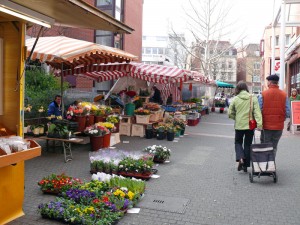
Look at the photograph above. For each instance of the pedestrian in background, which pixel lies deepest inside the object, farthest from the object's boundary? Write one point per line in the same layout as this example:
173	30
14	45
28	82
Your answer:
275	107
54	107
239	110
294	97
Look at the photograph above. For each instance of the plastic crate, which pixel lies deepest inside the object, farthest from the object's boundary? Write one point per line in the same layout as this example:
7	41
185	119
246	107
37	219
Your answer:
169	108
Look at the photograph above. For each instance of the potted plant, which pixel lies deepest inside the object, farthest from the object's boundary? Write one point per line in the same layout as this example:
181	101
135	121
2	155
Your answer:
171	129
160	154
96	133
142	115
115	119
160	131
149	132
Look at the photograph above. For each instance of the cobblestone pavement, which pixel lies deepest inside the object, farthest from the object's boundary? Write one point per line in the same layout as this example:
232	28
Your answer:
202	169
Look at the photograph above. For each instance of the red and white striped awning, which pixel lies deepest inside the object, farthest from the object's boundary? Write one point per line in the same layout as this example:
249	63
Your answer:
152	73
72	52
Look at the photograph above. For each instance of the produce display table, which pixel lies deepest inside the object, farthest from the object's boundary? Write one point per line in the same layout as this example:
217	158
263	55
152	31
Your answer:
66	144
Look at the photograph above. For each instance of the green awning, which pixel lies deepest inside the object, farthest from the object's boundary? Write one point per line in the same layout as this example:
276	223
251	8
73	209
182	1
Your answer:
224	85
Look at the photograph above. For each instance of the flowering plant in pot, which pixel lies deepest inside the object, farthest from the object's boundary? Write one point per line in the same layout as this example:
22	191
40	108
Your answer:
96	130
159	153
135	166
142	111
58	183
113	119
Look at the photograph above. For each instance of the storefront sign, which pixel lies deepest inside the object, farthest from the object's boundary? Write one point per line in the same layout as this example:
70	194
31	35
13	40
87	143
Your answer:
295	112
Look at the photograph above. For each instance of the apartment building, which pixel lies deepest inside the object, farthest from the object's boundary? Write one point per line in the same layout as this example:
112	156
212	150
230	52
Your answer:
222	63
248	67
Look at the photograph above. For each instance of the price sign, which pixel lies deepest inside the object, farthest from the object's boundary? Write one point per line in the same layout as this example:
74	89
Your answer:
295	112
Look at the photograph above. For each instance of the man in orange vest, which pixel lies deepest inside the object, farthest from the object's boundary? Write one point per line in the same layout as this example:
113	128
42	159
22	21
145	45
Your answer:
275	107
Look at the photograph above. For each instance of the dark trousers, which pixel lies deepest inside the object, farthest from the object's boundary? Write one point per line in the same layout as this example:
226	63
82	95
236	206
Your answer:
243	140
271	136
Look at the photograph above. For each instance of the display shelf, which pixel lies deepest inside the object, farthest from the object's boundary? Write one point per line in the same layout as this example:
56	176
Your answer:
34	151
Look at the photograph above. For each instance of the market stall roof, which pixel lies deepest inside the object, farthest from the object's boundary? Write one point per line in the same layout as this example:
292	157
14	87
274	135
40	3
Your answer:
72	52
72	13
152	73
224	85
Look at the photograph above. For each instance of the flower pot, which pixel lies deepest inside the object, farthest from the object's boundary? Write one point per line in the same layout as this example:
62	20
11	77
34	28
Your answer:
160	135
96	142
177	133
149	133
129	109
98	119
212	109
158	160
106	140
90	120
207	111
170	136
221	110
182	131
81	120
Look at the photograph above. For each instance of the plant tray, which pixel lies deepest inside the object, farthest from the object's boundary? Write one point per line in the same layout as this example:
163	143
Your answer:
136	175
34	151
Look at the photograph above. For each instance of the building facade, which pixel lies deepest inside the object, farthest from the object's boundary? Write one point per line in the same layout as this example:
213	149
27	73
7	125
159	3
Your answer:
248	67
220	63
128	11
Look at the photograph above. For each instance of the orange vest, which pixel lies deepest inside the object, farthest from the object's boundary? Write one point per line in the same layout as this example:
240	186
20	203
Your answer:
273	112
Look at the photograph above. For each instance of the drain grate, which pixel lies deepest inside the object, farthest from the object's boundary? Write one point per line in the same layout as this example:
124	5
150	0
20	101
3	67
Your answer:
163	203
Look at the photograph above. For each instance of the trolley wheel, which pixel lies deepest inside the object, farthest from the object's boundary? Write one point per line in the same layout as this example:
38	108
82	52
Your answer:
275	178
251	177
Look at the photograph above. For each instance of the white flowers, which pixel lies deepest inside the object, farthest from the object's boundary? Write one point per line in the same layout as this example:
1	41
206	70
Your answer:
124	189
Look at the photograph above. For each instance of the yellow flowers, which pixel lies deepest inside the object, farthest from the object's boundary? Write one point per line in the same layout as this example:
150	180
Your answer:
130	195
108	125
28	108
41	109
120	193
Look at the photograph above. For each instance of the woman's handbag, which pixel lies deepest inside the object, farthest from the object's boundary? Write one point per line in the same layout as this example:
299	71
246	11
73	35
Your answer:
252	121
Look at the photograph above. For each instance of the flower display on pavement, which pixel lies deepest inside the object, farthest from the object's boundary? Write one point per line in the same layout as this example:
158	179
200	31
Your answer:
159	152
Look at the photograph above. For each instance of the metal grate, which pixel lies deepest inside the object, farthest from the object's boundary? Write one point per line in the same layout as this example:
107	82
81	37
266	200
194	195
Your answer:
163	203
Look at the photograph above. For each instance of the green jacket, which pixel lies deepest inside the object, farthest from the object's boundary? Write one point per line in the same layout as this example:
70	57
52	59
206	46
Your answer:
239	111
296	99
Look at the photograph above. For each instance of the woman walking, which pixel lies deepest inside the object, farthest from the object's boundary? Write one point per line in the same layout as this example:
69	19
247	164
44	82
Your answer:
243	108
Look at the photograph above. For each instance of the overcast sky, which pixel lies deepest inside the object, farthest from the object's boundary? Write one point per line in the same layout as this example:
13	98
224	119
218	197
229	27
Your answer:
251	15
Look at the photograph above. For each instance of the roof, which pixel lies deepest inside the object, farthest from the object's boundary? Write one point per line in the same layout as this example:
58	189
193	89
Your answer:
224	85
75	13
73	52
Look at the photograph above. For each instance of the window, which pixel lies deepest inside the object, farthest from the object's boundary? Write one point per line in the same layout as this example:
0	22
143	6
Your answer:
104	40
154	51
104	2
277	40
287	39
144	38
256	65
148	50
160	51
160	38
143	50
223	65
230	76
229	65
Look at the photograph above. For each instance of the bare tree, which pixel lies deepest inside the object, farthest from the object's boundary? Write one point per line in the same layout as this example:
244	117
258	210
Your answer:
176	50
208	23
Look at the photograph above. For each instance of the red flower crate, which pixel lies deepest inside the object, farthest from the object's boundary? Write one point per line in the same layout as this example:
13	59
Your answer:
193	122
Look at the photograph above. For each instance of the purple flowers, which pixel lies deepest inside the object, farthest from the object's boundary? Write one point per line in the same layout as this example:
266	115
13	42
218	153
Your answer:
79	195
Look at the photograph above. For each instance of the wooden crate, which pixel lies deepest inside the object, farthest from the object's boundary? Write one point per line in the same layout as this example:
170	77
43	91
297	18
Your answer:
142	119
126	120
34	151
154	116
125	129
138	130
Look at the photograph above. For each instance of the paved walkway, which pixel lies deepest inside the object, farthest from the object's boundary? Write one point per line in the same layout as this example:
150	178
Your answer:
202	169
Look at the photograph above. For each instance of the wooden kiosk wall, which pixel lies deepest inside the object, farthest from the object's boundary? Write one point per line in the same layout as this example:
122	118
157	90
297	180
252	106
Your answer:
12	177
